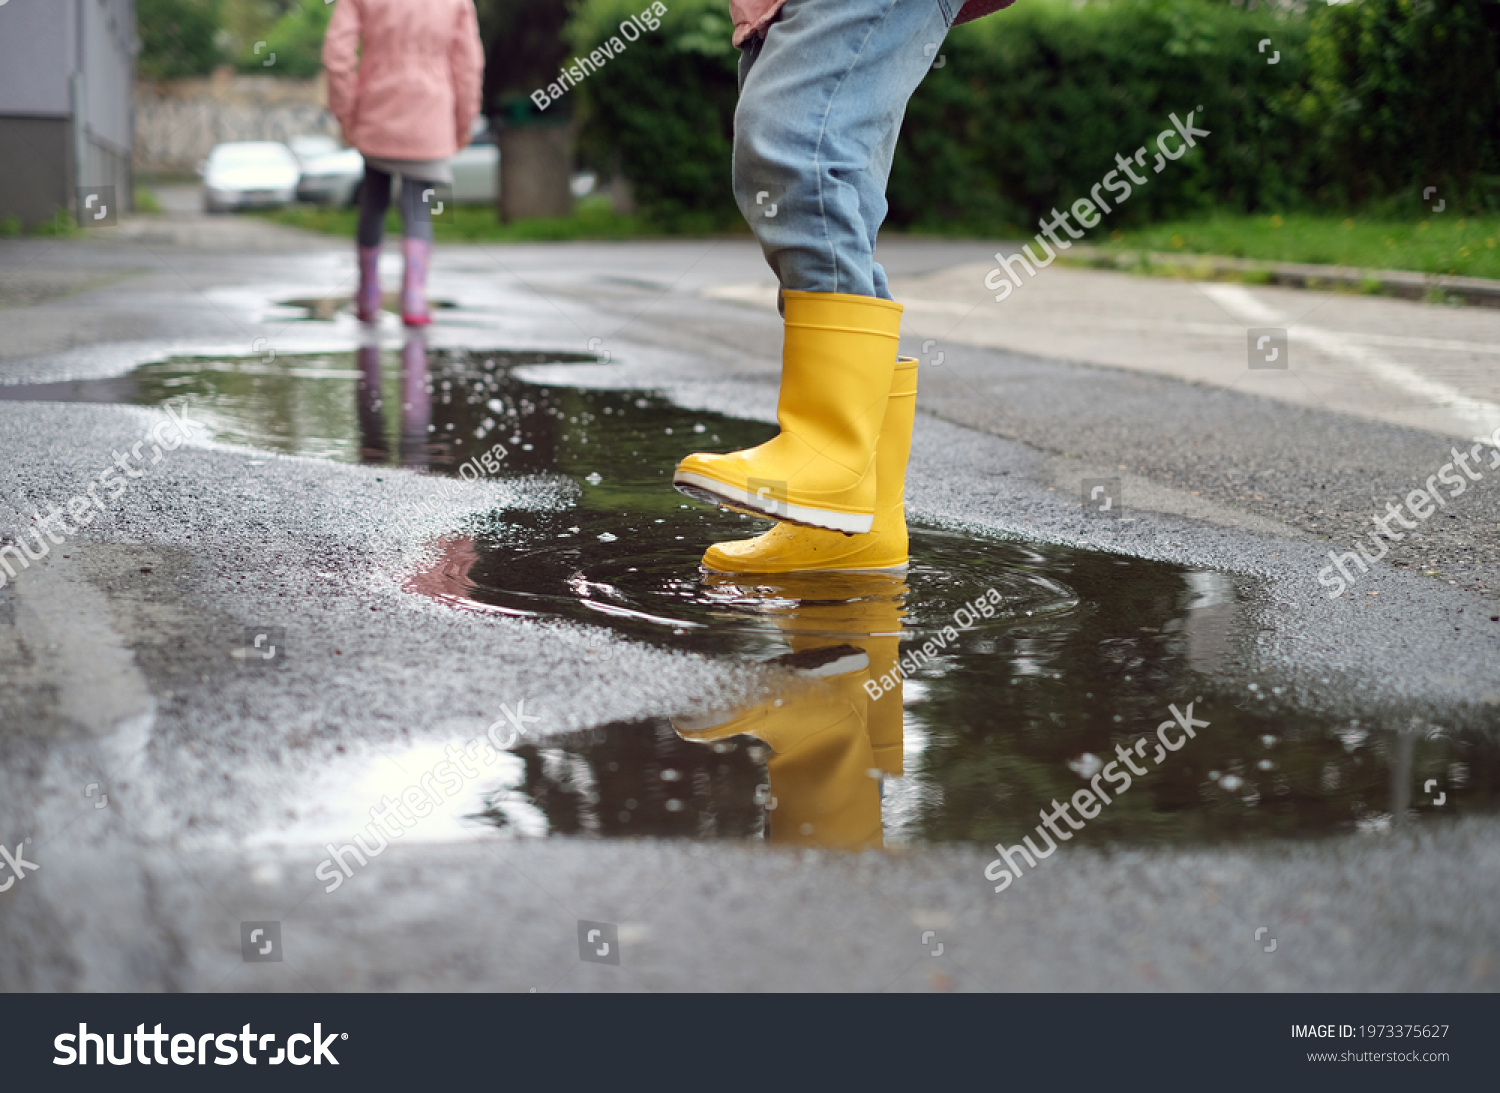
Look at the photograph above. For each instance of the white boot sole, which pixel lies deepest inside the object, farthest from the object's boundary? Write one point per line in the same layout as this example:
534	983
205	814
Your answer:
701	488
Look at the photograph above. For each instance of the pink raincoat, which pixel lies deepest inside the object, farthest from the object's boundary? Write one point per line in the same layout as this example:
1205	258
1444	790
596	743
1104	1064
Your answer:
753	16
404	76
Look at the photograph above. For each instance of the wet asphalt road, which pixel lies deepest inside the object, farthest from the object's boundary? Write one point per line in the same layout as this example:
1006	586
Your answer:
224	782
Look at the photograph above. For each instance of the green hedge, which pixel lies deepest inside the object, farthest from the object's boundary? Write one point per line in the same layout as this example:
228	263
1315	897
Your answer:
663	110
178	38
1032	106
296	38
1404	96
1366	103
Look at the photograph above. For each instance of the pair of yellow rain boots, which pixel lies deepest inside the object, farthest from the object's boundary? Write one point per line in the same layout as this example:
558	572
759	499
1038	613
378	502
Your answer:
835	476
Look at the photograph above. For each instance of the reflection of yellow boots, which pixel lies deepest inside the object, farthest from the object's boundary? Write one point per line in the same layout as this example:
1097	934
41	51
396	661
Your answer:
822	696
830	741
823	789
788	548
885	717
837	358
865	610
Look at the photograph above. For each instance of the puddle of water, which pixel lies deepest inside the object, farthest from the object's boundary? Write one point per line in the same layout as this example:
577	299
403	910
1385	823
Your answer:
373	405
903	721
324	308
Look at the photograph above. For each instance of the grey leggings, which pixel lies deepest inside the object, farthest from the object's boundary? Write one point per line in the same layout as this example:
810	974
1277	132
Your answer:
375	199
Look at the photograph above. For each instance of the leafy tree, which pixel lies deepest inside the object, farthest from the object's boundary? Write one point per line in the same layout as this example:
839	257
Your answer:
297	40
663	111
179	38
246	22
524	47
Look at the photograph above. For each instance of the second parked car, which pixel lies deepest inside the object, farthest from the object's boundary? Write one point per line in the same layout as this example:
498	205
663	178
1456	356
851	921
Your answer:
334	178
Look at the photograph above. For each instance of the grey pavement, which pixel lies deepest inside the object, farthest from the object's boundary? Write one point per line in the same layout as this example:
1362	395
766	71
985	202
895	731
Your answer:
225	783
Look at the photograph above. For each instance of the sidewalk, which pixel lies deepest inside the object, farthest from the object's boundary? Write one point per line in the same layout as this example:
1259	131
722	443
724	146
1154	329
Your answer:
1406	284
1405	363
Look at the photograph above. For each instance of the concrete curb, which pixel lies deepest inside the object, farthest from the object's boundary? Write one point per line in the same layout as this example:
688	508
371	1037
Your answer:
1476	291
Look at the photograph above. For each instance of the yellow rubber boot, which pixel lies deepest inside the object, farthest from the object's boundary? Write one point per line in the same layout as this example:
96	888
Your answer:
787	548
824	791
824	787
838	356
827	695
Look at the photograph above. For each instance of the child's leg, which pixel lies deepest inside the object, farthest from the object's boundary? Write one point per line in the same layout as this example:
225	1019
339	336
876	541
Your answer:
821	103
416	214
416	246
374	200
874	211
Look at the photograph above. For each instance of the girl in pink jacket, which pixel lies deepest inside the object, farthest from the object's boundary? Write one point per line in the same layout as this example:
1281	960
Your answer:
404	79
823	89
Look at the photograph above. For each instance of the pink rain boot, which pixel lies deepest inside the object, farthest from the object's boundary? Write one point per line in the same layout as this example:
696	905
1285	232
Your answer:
414	282
367	301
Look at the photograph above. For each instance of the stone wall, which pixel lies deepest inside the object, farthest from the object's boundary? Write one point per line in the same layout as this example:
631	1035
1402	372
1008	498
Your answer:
178	121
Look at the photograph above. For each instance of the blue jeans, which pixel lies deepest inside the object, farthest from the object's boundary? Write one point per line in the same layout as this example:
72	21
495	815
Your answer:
821	102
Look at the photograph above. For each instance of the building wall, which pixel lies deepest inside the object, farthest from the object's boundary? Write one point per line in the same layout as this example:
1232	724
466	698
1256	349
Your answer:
48	143
177	122
107	44
36	168
38	46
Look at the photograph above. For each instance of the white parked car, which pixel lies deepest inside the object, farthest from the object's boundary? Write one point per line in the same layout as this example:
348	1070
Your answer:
259	174
334	178
476	169
311	146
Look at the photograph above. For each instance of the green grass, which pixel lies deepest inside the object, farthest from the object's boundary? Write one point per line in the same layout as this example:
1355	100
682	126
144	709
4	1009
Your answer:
1442	243
151	179
145	201
61	226
592	219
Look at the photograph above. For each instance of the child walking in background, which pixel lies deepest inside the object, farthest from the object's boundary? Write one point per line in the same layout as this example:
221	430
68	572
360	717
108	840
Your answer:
404	81
823	89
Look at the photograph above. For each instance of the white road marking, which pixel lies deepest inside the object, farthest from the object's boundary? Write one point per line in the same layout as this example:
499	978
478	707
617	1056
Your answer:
1479	417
